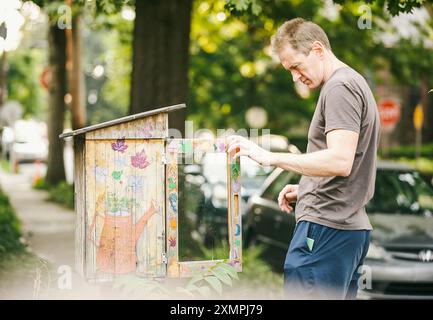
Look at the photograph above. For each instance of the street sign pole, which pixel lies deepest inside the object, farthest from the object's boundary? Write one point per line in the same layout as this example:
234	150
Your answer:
418	119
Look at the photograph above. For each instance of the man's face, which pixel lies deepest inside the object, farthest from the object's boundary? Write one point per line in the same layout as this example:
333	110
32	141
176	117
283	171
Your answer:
305	68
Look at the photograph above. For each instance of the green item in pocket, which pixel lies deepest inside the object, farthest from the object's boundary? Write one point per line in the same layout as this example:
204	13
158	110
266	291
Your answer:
310	243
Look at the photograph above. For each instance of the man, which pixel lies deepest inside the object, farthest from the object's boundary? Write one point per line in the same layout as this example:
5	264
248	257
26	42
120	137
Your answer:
338	171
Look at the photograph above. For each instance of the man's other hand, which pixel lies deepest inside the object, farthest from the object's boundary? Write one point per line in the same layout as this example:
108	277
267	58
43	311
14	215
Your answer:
288	195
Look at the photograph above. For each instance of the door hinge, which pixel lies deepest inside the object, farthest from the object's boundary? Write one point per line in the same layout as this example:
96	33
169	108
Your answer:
164	258
163	158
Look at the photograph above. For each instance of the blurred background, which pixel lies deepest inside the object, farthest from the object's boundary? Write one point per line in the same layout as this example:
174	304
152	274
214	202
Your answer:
68	64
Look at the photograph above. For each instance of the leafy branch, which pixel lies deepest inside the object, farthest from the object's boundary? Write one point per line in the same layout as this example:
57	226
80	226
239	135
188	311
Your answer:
212	277
201	284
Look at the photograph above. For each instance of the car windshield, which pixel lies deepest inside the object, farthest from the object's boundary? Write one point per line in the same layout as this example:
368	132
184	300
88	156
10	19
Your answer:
404	192
396	191
285	177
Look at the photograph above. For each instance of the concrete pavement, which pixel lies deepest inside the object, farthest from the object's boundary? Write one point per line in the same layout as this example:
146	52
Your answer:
49	230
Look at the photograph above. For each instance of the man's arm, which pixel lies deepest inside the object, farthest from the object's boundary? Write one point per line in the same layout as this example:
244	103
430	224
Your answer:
336	160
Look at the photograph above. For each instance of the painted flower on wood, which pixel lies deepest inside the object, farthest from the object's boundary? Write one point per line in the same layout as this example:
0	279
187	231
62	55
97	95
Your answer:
172	198
236	186
136	183
172	241
140	160
121	162
119	145
101	174
238	230
235	260
173	223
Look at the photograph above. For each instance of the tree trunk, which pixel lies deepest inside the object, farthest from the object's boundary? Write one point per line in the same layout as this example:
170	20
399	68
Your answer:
57	91
3	78
75	74
405	131
160	57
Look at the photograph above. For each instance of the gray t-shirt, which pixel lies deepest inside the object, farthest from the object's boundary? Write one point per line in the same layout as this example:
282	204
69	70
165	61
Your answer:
345	102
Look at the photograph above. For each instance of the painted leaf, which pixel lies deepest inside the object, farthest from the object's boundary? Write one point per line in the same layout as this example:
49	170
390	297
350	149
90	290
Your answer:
140	160
119	145
172	183
117	175
235	168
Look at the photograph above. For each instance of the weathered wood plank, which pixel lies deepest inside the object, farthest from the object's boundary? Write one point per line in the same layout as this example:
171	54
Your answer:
91	172
80	205
151	127
103	258
150	214
115	122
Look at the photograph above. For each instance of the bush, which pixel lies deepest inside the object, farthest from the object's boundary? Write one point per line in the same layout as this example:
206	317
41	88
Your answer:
408	151
10	230
62	193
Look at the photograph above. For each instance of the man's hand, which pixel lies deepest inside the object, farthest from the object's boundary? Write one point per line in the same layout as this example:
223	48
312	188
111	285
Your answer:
288	195
244	147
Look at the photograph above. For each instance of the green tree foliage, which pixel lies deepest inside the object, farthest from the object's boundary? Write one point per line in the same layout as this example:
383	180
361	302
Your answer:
25	68
111	48
394	7
231	70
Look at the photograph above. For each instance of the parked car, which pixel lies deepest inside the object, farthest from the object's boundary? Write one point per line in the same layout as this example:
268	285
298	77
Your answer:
30	142
400	256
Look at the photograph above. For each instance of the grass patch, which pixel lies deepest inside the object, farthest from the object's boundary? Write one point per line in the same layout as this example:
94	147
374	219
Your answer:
62	193
6	165
11	241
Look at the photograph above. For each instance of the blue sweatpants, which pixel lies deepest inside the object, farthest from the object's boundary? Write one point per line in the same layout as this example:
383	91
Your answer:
323	262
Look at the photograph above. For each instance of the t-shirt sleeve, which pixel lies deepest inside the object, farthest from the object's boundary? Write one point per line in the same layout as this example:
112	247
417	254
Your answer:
342	110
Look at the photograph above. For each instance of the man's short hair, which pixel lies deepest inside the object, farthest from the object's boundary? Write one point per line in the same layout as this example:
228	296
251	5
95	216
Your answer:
300	34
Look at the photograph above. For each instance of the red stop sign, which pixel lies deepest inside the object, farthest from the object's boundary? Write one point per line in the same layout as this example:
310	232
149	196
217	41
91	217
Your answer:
389	112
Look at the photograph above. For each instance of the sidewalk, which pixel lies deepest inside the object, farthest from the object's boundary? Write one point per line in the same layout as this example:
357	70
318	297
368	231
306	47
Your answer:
49	229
